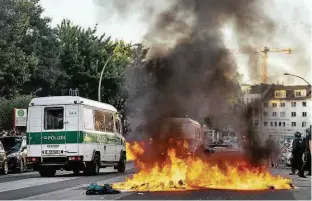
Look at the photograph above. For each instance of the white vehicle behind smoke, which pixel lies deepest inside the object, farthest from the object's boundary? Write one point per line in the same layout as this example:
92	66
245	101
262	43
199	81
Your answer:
183	129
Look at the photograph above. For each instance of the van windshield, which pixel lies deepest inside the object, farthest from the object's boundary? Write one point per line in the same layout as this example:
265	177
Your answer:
53	118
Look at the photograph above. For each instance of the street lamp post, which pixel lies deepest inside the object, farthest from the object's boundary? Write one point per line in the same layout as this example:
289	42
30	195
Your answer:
298	77
102	72
310	144
303	80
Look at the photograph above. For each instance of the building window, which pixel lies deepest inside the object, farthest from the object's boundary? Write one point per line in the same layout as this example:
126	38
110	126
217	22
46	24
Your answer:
304	124
265	114
282	104
304	114
265	104
293	124
304	104
275	124
280	94
256	111
271	123
279	124
256	123
284	124
265	124
274	104
298	93
282	114
274	114
293	114
293	104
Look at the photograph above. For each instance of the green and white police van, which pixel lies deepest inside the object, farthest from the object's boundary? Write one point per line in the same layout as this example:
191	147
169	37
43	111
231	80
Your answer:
74	134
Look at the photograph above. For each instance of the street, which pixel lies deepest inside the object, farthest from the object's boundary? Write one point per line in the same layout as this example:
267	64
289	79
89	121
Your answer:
66	186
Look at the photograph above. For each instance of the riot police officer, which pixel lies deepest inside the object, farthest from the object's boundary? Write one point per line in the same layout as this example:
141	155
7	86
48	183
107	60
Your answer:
307	163
297	153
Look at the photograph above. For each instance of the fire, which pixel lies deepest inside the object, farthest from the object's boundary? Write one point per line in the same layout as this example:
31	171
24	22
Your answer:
133	151
178	173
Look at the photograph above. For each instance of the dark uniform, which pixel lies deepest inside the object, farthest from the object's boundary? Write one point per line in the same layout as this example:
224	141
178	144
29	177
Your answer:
297	153
307	164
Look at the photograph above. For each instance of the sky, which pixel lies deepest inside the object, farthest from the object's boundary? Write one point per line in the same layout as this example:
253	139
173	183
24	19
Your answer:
293	17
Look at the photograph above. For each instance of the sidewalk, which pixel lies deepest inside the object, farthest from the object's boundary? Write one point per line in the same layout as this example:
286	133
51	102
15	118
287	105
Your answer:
302	189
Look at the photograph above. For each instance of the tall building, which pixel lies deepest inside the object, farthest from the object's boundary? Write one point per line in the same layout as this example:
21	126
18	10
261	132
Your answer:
279	110
287	109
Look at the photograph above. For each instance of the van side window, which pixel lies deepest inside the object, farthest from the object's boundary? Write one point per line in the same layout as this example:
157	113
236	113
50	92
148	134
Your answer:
88	119
53	118
99	124
118	128
109	122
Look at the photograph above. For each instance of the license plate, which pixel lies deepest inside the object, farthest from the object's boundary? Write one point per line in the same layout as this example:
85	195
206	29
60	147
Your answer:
52	152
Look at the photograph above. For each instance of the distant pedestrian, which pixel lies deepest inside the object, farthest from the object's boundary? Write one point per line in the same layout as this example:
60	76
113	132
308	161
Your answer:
307	163
274	152
297	153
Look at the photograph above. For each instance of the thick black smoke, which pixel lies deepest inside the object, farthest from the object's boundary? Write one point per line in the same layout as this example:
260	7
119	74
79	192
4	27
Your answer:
189	72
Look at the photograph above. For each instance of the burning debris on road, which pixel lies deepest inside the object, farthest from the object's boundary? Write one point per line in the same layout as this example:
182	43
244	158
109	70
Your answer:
180	171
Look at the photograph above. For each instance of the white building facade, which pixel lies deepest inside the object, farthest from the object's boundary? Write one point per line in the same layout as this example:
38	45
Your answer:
287	109
279	110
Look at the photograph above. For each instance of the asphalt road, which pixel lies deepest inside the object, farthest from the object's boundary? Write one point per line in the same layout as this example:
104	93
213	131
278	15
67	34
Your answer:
66	186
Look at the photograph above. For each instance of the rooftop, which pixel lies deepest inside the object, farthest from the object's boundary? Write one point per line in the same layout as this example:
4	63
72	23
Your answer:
267	91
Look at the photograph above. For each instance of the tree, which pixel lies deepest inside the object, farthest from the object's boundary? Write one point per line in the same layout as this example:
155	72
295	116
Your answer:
16	66
7	108
82	57
28	48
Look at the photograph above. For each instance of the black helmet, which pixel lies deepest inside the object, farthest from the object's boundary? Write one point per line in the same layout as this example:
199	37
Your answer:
297	134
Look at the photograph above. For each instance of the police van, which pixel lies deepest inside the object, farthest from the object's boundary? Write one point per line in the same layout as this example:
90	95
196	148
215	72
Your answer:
74	134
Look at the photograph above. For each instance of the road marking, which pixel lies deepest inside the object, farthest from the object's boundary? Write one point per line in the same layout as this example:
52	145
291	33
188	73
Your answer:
24	183
77	192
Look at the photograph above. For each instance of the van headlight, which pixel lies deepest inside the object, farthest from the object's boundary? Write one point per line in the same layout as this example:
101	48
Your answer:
12	155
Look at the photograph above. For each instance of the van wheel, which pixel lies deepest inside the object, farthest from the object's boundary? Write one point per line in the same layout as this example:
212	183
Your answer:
5	168
93	168
121	167
47	172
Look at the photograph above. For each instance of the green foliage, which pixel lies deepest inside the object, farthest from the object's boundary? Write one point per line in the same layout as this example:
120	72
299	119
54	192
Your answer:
39	60
7	110
82	58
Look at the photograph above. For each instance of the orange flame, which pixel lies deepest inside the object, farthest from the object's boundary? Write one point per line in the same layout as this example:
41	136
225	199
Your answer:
133	151
177	173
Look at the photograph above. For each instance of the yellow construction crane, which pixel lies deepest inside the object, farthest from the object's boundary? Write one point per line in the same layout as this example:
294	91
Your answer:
265	61
264	70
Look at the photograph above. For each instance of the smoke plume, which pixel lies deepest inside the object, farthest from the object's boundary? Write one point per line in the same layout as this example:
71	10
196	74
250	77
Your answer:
188	70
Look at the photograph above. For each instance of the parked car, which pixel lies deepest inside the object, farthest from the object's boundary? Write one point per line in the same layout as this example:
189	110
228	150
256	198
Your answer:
3	161
15	148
